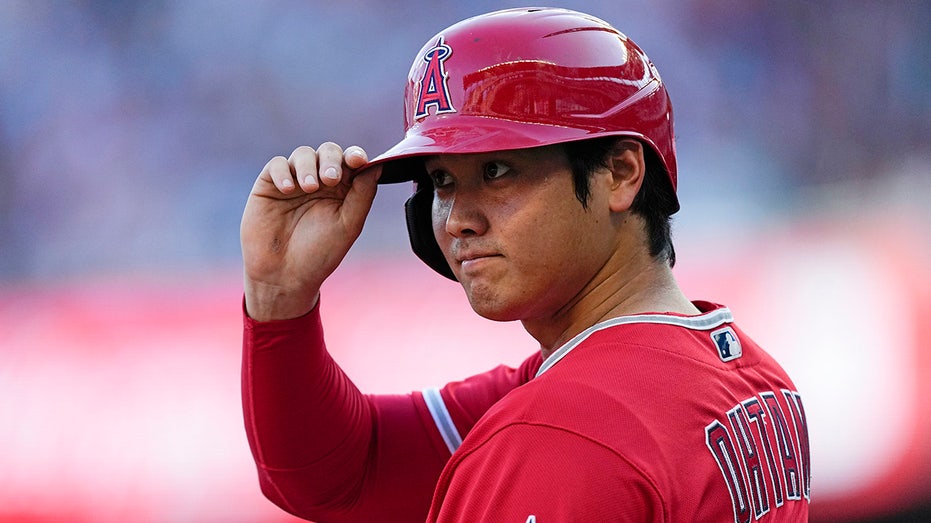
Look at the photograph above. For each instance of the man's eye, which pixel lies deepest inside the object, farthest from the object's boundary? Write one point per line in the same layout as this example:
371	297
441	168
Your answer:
440	178
494	170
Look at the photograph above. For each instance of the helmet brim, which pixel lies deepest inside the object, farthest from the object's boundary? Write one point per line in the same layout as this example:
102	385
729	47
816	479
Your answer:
474	134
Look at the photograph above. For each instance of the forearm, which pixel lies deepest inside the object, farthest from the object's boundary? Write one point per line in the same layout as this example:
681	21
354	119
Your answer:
309	428
322	449
327	452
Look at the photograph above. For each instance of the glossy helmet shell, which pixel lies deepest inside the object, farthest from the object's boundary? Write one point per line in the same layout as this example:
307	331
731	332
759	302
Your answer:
522	78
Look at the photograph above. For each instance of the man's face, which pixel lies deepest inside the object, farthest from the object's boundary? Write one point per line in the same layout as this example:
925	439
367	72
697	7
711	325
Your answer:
513	232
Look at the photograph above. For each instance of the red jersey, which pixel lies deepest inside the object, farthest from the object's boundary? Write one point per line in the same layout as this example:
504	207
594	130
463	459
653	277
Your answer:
652	417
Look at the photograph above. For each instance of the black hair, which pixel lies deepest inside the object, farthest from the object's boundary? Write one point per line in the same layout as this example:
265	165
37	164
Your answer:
655	202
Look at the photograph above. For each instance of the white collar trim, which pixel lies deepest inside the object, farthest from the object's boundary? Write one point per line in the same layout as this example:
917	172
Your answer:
706	321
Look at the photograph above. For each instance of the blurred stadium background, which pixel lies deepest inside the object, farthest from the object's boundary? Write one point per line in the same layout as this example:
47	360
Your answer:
131	132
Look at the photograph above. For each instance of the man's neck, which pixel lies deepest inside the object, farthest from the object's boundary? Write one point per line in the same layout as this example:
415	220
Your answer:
652	288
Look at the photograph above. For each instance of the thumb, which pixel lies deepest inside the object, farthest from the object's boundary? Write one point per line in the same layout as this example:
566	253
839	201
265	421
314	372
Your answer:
359	199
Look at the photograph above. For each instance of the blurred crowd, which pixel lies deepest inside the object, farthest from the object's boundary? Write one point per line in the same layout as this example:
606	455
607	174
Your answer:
131	132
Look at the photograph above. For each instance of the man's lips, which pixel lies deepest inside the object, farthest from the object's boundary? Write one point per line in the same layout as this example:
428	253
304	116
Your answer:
473	256
469	258
475	266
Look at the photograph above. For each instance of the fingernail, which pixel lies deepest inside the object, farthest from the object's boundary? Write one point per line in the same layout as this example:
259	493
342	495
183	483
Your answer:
331	173
287	183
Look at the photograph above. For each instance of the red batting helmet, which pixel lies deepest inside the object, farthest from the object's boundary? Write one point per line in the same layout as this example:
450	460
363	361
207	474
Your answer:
523	78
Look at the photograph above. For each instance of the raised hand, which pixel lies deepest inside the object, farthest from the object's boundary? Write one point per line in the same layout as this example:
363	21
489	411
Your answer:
301	218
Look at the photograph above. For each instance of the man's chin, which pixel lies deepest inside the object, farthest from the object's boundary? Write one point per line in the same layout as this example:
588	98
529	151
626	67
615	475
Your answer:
496	315
490	305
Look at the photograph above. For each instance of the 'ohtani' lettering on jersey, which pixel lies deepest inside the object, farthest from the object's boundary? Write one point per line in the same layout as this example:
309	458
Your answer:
763	452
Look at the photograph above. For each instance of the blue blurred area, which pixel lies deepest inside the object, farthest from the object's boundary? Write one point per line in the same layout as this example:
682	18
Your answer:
130	132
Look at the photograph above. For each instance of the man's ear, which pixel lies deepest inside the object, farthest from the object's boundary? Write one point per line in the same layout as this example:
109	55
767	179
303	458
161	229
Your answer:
628	168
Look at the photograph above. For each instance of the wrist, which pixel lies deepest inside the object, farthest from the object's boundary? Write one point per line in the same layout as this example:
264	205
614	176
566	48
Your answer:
269	303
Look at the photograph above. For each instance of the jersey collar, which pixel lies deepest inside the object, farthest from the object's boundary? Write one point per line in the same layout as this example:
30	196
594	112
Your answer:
706	321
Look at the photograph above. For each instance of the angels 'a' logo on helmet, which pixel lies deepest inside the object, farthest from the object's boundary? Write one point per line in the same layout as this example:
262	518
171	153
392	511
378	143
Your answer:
433	89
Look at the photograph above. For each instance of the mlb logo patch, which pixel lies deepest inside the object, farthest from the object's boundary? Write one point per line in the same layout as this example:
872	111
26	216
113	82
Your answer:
727	343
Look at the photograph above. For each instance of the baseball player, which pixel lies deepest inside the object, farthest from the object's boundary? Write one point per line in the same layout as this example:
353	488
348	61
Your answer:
540	145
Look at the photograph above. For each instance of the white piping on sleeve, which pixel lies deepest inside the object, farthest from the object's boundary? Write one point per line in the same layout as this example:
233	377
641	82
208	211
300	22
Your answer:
442	419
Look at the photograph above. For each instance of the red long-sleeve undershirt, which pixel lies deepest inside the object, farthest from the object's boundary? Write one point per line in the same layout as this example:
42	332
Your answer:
327	452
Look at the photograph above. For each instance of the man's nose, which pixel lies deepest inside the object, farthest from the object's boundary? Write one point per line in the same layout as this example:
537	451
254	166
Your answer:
464	215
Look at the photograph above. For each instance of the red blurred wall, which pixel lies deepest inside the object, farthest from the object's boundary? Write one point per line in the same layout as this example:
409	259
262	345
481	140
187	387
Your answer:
120	396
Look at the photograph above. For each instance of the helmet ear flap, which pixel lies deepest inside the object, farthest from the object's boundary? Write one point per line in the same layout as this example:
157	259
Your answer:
418	210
